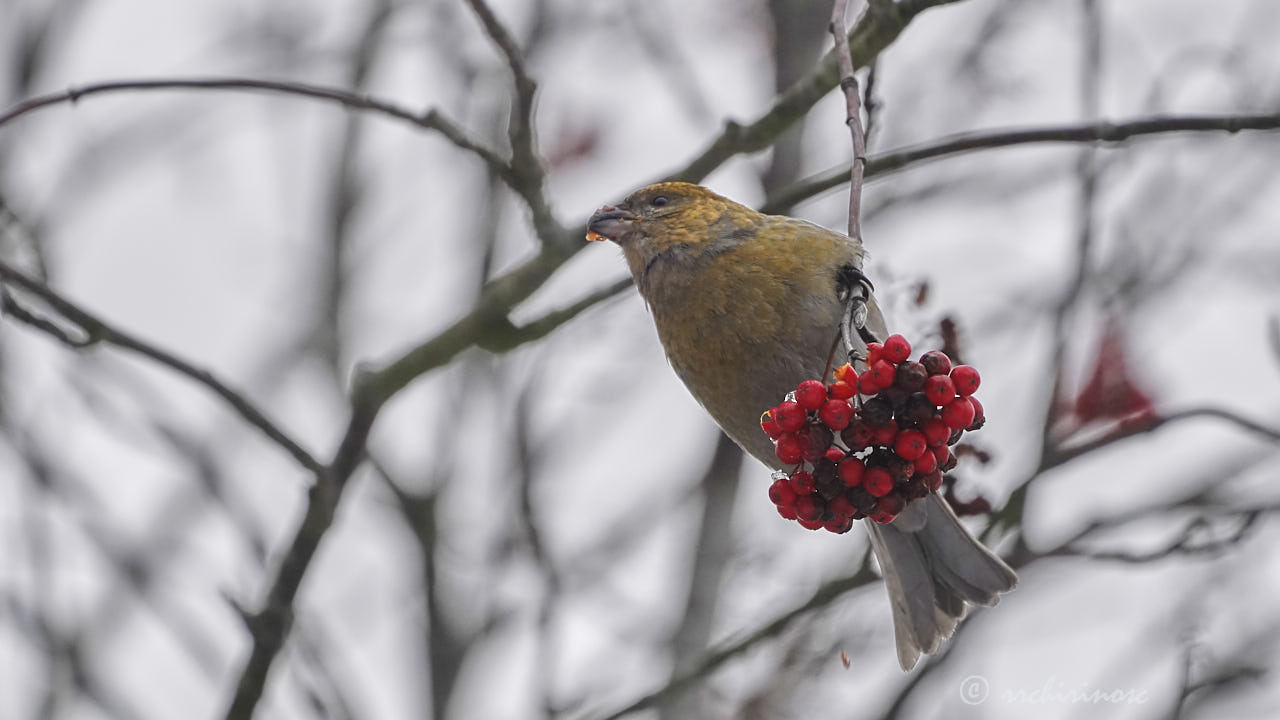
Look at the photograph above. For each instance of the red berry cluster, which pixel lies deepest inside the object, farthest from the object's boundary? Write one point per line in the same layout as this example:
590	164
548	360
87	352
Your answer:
865	446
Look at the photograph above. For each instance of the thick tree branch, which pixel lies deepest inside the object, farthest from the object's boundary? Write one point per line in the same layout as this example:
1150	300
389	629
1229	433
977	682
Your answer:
98	331
1093	132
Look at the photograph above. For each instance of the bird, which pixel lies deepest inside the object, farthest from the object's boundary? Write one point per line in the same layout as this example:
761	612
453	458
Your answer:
748	305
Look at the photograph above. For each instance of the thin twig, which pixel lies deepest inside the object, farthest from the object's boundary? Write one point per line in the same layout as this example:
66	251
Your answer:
430	119
853	115
1091	132
877	30
98	331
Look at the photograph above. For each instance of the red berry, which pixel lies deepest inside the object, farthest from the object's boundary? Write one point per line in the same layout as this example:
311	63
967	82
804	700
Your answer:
936	432
926	463
940	390
788	449
884	372
858	434
780	492
885	434
966	380
896	349
874	351
836	413
769	425
814	441
842	390
948	464
789	416
946	460
841	508
881	518
979	417
846	374
811	524
868	385
958	414
809	507
787	511
802	482
835	454
933	480
850	471
936	362
910	444
839	527
877	481
810	394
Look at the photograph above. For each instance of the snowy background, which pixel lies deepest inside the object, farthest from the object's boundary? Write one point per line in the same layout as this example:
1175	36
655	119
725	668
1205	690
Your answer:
554	529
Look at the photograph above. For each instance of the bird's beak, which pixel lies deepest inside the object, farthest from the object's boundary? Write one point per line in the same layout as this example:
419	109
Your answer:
609	223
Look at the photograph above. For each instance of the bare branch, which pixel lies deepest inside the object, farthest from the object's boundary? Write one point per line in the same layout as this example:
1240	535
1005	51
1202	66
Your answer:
878	29
823	596
431	119
98	331
1093	132
1137	426
528	178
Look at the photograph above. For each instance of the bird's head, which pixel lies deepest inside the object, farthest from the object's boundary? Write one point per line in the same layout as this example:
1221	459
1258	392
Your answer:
665	216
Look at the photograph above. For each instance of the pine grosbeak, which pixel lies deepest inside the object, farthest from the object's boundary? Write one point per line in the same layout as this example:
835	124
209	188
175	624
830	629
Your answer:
748	305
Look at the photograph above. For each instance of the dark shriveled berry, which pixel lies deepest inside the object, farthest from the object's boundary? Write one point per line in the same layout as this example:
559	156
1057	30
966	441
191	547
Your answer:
915	488
863	500
858	434
814	441
918	410
892	503
910	376
839	527
877	411
936	362
825	481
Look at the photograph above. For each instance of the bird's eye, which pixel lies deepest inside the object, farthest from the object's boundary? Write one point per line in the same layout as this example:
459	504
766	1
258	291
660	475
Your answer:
659	201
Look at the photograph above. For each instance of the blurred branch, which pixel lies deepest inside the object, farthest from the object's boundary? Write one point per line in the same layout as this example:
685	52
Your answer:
505	337
712	552
1062	454
879	28
527	178
1184	544
430	119
824	596
97	331
1093	132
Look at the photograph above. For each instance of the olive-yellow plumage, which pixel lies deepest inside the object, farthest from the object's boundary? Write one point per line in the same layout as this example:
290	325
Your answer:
747	306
